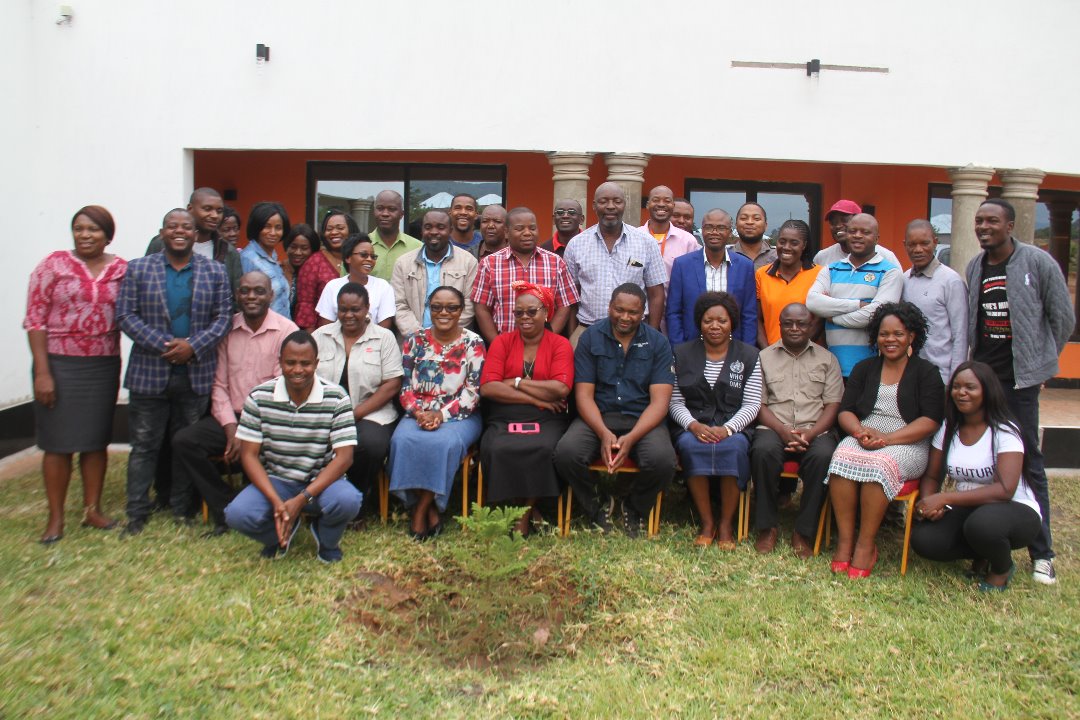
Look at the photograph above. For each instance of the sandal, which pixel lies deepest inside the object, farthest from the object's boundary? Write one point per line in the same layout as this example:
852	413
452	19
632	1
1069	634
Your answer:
987	587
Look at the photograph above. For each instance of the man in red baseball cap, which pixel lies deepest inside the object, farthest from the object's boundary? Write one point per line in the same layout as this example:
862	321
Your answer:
838	216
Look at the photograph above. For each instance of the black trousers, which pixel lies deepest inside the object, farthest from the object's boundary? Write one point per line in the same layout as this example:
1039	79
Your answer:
192	448
989	532
369	456
1024	404
767	456
654	455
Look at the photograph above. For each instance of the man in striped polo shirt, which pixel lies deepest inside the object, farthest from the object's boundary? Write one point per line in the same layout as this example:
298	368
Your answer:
297	435
848	292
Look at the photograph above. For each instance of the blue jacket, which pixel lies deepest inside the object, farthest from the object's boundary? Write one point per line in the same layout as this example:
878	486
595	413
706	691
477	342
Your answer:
143	315
688	283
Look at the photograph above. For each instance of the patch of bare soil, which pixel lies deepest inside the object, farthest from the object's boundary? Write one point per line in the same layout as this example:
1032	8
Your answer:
505	623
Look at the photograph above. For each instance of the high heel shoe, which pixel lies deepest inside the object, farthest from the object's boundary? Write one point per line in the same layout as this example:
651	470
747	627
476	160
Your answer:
839	566
859	573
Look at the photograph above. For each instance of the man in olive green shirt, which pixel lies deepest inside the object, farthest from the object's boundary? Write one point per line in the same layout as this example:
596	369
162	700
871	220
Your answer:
799	405
390	243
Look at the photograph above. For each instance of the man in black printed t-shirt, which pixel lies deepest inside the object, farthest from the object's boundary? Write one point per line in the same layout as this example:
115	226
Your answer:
1019	318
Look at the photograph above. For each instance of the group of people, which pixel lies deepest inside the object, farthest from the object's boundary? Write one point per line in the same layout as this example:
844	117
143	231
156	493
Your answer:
644	348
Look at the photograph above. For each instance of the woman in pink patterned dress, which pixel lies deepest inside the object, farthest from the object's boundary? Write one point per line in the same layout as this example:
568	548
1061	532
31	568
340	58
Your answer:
75	342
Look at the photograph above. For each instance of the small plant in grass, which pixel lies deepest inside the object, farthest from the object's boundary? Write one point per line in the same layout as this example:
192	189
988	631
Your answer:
492	549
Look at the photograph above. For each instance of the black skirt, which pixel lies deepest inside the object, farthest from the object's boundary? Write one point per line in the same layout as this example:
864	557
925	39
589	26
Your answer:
518	465
82	418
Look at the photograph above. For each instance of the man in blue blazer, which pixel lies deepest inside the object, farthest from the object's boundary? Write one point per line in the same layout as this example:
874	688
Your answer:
713	267
175	307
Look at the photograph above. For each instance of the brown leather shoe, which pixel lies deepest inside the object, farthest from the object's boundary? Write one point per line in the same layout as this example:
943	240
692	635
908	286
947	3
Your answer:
802	547
766	541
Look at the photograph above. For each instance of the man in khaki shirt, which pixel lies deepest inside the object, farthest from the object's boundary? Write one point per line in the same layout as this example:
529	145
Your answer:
803	387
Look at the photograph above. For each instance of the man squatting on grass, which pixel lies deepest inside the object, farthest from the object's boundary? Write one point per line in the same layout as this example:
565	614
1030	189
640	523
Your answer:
304	431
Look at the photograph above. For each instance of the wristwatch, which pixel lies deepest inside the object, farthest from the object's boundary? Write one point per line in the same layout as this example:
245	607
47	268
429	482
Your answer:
309	496
517	381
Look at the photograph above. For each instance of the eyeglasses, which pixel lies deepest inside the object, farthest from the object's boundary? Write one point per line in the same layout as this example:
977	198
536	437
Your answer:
259	291
366	255
530	312
439	309
795	324
716	228
565	213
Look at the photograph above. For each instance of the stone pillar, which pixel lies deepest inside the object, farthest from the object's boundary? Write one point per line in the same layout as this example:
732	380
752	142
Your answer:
628	170
570	180
1021	189
968	191
1061	213
360	209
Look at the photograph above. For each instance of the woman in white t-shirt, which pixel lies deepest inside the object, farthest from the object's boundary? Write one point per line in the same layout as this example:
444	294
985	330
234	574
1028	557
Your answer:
359	257
991	510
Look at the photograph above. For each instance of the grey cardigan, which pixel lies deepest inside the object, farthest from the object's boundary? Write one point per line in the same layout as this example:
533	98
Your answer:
1040	310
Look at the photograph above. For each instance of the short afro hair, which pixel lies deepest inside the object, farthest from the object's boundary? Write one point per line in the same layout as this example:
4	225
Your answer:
709	300
909	316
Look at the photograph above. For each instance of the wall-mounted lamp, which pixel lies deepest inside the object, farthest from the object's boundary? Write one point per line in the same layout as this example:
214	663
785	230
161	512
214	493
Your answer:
262	53
813	67
65	15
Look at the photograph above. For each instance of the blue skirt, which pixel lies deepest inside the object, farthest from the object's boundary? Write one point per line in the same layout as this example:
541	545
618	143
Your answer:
428	459
728	458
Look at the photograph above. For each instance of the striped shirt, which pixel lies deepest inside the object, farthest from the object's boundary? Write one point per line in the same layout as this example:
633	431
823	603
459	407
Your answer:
837	295
298	441
748	411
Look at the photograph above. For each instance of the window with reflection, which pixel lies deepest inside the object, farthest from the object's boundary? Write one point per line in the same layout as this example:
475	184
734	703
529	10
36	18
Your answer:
352	186
782	202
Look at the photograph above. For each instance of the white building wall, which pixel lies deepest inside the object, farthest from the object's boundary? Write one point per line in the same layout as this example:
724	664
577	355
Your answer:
106	109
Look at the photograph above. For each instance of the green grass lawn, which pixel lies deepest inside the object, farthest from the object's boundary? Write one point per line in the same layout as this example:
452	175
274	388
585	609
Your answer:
171	625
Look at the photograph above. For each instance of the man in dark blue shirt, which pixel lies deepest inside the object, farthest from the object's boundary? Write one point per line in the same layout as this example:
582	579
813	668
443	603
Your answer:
623	379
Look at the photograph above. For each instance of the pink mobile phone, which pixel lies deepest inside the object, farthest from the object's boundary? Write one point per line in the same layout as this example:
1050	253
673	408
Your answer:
524	428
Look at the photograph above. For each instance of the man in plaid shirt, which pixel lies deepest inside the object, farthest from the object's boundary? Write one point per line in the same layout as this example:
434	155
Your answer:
521	260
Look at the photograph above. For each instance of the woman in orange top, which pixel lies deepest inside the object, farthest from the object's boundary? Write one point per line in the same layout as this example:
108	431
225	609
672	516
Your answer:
787	280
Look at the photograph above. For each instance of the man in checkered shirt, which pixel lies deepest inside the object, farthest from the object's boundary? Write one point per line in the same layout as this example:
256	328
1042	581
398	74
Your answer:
522	260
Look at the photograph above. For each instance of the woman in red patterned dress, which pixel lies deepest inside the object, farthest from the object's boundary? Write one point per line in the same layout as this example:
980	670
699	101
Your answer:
75	342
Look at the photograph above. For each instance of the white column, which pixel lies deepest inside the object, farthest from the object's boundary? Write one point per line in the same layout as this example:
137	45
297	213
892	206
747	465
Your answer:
570	180
628	170
1021	189
969	185
360	210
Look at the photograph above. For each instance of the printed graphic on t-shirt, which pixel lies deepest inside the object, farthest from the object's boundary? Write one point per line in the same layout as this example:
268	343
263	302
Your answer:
994	300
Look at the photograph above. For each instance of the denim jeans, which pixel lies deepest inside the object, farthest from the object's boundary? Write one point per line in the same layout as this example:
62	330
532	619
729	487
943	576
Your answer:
1024	404
252	514
150	419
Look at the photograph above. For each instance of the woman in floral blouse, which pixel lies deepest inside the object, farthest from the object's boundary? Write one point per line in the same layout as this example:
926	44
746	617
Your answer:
75	342
441	398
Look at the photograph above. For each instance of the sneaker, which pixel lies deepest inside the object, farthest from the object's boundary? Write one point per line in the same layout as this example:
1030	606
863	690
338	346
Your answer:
1043	572
631	520
324	554
275	551
602	518
270	552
